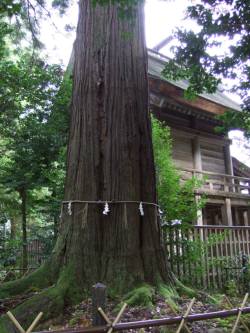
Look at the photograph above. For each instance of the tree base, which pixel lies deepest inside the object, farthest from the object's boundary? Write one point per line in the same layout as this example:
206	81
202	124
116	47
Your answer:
51	298
51	301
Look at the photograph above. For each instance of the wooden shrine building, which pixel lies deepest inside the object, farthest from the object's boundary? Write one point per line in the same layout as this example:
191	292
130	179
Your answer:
198	150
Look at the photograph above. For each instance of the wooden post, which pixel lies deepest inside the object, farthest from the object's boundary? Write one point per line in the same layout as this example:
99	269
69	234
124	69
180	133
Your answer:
229	163
199	212
245	217
99	295
198	166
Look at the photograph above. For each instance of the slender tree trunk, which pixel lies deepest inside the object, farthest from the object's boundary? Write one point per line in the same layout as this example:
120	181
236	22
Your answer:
13	227
23	196
55	225
110	154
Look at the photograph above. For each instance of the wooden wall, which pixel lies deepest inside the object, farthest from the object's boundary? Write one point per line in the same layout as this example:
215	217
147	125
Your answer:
184	129
212	157
182	152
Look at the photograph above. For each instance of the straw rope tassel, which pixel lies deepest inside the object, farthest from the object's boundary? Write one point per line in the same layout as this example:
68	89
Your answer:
239	313
185	315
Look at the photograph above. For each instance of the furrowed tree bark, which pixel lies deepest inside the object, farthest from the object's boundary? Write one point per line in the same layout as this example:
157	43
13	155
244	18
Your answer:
110	154
110	157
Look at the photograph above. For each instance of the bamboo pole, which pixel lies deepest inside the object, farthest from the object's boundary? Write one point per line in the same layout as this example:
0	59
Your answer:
241	320
35	322
19	327
155	322
15	322
117	318
185	315
239	313
105	317
175	312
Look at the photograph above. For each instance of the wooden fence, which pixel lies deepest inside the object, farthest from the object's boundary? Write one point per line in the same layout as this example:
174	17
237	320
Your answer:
36	252
208	256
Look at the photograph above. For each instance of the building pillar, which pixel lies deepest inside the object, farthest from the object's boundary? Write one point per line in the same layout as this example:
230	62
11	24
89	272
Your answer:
228	207
223	215
216	219
229	171
229	186
228	160
197	166
197	154
245	218
199	220
237	216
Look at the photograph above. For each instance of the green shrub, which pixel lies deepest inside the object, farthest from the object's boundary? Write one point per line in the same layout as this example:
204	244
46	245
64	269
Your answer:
176	198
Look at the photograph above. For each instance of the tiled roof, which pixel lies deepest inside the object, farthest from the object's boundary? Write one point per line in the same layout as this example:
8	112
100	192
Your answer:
156	63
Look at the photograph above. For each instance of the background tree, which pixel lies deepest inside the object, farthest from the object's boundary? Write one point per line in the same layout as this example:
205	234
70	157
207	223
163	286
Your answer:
219	50
31	137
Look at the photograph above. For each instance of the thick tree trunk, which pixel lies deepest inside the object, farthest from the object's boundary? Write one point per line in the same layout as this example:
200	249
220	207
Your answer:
110	154
110	157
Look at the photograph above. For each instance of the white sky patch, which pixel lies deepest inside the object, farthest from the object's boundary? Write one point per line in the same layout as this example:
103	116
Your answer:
240	147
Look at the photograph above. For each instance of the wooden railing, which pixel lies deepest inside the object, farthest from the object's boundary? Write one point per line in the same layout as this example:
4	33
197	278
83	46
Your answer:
219	183
208	256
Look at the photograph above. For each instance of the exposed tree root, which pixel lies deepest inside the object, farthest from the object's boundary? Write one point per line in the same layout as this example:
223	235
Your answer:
182	289
50	301
35	281
170	294
142	295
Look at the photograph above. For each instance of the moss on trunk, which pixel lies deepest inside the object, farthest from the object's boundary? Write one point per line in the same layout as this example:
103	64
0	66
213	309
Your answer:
110	157
50	301
35	281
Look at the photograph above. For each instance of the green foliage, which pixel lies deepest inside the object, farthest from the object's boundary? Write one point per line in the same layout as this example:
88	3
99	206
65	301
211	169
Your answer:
221	23
231	288
194	252
10	8
187	64
176	199
34	100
